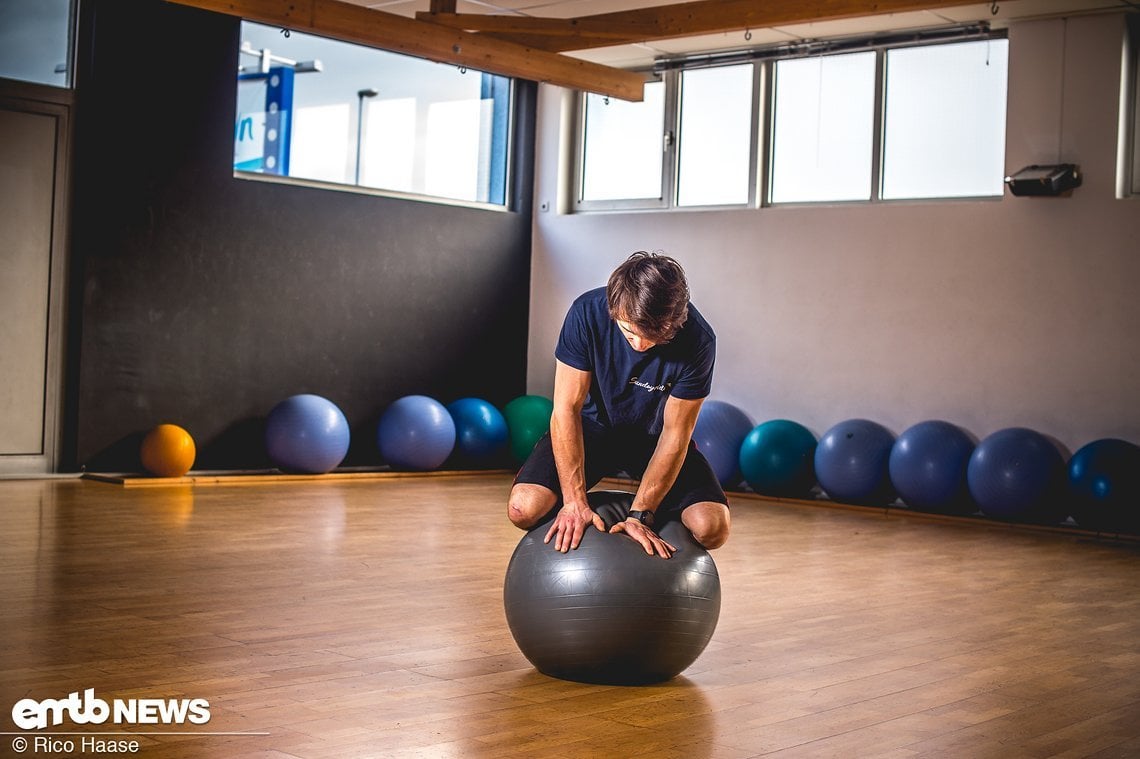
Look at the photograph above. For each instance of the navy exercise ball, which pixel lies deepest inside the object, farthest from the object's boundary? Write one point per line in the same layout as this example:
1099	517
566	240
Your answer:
851	462
778	458
1017	474
719	432
306	434
416	432
1104	479
480	429
608	612
928	467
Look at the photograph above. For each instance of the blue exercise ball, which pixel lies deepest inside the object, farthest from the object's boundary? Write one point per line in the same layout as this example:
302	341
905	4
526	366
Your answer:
778	458
851	462
928	467
306	434
480	429
1017	474
416	432
1104	479
719	432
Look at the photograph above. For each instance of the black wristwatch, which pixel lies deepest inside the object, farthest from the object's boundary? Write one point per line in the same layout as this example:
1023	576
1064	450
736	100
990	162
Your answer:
645	517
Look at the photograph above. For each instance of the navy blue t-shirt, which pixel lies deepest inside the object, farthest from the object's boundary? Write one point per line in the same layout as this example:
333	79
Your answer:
628	389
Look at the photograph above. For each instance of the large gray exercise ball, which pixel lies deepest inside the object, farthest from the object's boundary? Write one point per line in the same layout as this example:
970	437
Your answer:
607	612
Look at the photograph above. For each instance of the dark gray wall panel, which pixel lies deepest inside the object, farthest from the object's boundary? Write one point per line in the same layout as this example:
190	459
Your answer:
203	300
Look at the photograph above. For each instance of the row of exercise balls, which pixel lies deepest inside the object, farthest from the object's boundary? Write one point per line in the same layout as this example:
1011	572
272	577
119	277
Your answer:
307	433
420	433
1014	474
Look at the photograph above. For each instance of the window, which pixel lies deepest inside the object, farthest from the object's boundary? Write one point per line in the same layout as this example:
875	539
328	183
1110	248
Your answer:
715	138
944	128
35	41
321	110
824	117
624	153
1130	116
688	143
889	119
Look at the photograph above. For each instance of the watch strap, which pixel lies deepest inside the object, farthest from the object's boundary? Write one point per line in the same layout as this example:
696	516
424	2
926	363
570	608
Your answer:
641	515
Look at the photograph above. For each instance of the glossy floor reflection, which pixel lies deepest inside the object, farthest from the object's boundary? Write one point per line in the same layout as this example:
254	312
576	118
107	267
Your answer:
365	619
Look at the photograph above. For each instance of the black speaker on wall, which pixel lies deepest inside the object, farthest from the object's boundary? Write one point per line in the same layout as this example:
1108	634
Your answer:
1050	180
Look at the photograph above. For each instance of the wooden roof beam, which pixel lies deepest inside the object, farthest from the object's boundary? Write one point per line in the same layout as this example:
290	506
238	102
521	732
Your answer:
585	26
676	20
353	23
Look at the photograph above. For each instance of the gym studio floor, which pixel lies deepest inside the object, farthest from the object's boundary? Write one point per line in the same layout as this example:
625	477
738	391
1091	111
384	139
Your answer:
357	617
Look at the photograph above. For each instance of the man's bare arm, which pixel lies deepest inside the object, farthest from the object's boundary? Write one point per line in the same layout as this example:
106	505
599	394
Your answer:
661	473
571	386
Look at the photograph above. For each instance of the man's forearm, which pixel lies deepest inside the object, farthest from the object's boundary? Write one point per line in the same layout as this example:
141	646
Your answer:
569	455
661	472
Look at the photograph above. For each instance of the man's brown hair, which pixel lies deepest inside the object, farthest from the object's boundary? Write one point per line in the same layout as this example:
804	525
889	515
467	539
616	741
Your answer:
649	290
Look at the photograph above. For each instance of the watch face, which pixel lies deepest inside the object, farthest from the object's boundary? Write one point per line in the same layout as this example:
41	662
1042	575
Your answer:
645	517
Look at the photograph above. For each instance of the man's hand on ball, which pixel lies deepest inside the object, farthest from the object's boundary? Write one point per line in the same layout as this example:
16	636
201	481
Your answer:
649	540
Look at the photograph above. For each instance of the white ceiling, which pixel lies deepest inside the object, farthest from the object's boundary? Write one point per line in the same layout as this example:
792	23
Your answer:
643	54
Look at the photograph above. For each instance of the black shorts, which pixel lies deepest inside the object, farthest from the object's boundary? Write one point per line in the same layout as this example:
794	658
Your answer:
610	455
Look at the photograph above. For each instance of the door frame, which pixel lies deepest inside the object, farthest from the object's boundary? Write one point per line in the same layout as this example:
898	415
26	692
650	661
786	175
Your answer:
58	104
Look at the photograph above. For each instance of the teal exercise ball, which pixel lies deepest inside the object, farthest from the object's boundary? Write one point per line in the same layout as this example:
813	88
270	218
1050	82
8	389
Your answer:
528	419
777	458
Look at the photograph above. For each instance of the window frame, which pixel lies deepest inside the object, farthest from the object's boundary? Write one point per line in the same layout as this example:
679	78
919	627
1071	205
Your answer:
668	160
883	104
874	175
510	199
1128	172
763	122
670	163
759	81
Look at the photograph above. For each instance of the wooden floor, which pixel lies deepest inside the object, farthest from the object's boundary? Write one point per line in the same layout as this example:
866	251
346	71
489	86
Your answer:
364	618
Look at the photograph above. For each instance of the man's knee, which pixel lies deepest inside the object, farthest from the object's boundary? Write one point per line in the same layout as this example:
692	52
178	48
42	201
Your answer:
709	522
528	504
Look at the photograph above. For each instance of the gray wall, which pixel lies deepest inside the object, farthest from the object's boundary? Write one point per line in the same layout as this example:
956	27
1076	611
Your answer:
988	314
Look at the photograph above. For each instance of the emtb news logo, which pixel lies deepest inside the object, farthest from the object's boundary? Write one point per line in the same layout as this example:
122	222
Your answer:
30	714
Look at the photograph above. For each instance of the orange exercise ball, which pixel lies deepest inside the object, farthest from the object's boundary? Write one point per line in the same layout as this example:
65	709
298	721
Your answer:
167	451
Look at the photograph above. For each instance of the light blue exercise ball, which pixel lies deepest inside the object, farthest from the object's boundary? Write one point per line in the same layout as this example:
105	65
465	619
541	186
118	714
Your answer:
415	432
306	434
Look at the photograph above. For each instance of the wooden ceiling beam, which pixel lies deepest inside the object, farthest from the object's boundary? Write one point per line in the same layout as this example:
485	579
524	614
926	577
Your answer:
555	27
677	20
354	23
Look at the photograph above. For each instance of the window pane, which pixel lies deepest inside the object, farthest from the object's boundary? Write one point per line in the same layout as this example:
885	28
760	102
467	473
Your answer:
716	136
329	111
624	146
823	125
944	128
1134	52
35	41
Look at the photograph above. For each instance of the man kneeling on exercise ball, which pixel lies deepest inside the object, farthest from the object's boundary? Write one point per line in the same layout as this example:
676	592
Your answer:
634	363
